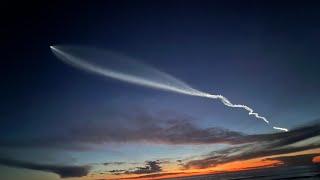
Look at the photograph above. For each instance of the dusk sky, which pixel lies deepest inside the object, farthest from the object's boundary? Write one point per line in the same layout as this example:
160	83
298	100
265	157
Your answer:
59	121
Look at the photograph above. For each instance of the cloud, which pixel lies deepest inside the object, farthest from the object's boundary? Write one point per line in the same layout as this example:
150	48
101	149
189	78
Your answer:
154	175
117	171
113	163
178	129
150	167
299	139
142	127
62	171
296	160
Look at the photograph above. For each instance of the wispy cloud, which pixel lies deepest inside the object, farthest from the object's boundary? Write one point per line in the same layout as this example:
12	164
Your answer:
144	127
139	128
113	163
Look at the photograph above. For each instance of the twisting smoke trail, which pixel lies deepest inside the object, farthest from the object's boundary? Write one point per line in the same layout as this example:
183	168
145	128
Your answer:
279	128
226	102
123	68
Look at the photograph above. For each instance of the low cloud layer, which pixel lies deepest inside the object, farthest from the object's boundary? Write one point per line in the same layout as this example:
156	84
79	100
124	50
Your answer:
150	129
299	139
150	167
296	160
139	128
152	176
62	171
178	130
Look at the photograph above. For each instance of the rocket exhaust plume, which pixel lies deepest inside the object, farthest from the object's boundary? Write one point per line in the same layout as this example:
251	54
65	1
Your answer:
108	64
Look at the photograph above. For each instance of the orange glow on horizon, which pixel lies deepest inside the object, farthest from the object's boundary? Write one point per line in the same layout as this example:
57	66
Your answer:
175	171
227	167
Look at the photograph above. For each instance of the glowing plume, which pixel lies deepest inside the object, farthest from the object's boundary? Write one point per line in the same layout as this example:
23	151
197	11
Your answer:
123	68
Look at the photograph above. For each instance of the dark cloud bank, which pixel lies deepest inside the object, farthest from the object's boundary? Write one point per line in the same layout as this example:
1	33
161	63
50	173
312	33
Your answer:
245	146
181	130
263	145
62	171
297	160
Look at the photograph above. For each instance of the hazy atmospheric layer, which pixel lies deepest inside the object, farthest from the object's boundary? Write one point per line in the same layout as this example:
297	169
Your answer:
124	68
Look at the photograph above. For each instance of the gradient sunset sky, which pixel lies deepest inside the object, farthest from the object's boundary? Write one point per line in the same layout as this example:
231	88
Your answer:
60	122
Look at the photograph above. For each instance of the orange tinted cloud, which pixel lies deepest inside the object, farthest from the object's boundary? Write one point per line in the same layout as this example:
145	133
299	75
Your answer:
246	164
316	159
227	167
174	171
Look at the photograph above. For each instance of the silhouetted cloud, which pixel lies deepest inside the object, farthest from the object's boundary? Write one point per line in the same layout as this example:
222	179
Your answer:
304	159
263	145
62	171
117	171
150	167
179	130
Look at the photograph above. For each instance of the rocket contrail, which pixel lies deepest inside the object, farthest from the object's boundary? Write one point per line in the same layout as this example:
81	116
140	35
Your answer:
123	68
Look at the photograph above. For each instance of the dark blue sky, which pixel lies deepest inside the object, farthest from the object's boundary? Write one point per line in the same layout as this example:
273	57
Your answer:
264	55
